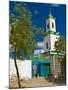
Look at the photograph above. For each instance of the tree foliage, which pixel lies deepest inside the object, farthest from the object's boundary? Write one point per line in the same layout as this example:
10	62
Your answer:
60	45
21	29
21	33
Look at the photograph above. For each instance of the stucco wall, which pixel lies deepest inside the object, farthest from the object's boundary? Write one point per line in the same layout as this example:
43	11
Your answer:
24	68
53	38
50	39
50	21
47	40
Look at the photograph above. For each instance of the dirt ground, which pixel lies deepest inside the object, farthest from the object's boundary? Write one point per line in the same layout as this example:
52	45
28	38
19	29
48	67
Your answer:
35	82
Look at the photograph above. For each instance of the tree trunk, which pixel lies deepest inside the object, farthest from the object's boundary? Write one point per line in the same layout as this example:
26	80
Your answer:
17	71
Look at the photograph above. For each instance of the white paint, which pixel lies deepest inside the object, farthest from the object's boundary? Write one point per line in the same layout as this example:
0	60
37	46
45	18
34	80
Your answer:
24	67
47	40
50	21
51	38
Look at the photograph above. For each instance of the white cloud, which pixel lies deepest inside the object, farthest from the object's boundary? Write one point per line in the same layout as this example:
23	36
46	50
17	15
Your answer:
37	52
41	50
40	44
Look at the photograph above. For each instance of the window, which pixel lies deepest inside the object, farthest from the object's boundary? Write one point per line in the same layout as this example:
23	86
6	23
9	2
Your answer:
46	45
56	37
48	25
52	25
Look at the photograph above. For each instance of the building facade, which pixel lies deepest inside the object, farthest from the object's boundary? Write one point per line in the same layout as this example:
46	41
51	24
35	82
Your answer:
49	44
51	35
47	66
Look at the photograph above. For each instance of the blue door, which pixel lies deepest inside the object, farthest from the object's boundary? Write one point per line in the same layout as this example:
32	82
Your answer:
41	68
46	70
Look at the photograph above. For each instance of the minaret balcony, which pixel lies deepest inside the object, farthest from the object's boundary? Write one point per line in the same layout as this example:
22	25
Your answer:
52	32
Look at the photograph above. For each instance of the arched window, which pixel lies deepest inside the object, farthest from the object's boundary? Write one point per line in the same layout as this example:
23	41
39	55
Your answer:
48	25
47	45
52	25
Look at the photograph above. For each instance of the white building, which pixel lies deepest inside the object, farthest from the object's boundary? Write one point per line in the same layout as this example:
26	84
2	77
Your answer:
49	44
51	34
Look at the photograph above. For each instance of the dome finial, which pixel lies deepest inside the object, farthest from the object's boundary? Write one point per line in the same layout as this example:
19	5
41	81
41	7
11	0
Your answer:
50	12
50	15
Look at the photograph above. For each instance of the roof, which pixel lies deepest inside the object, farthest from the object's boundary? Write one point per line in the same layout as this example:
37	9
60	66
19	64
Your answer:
34	61
50	15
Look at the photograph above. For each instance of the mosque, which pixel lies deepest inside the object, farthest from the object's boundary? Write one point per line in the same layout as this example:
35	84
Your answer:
50	64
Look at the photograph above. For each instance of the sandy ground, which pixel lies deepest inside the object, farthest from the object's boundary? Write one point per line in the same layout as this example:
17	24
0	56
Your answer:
36	82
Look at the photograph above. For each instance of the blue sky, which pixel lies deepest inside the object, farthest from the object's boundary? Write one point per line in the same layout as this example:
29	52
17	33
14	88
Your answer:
40	12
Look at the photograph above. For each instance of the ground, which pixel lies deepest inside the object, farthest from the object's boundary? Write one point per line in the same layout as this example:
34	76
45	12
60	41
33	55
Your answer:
35	82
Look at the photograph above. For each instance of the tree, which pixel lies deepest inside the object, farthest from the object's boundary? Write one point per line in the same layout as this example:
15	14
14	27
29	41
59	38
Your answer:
21	33
60	46
63	63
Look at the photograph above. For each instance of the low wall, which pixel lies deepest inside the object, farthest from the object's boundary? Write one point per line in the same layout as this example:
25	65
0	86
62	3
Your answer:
25	69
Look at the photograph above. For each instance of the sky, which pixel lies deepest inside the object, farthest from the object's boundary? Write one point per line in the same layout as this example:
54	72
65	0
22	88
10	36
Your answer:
40	12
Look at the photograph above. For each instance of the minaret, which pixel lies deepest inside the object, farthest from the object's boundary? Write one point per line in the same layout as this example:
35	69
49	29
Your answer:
51	34
50	23
49	44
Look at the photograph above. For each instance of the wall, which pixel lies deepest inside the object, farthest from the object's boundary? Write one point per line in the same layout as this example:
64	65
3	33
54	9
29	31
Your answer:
50	20
56	66
53	38
25	68
47	40
50	39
